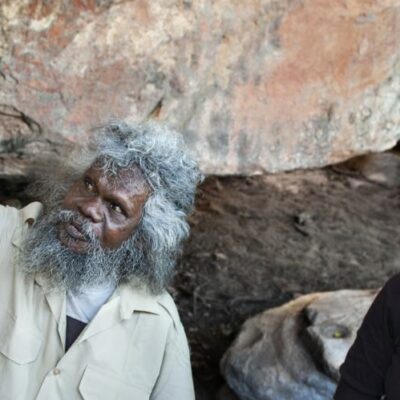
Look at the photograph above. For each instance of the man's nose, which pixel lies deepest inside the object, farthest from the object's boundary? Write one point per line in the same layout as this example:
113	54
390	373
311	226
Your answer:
91	209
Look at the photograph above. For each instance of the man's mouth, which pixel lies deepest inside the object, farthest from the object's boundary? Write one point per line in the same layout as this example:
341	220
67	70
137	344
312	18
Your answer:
74	230
72	236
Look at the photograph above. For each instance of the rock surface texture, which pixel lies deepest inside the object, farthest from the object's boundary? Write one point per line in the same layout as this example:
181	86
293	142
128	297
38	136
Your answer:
295	351
269	86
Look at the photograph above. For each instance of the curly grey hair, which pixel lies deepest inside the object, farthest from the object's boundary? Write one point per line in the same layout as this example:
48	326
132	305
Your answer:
150	254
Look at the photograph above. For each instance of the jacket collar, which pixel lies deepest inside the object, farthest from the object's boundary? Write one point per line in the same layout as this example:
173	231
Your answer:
125	300
121	306
130	298
133	299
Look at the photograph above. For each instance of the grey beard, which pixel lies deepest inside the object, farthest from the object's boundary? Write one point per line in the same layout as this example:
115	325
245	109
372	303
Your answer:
44	254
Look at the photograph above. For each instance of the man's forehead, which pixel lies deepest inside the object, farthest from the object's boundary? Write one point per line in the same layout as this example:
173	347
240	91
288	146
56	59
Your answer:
127	179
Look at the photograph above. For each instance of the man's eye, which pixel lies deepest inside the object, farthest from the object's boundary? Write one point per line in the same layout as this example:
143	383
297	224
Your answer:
88	184
116	208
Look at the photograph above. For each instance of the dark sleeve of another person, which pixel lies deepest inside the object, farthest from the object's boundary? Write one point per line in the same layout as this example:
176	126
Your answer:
364	370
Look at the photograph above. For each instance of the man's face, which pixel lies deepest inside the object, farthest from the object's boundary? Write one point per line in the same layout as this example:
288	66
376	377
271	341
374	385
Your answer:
111	205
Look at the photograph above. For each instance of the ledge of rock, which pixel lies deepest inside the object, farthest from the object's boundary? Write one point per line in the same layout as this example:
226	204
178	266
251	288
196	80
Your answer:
277	86
295	351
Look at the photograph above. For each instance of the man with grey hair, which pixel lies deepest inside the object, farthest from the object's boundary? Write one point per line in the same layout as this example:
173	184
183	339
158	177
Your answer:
83	307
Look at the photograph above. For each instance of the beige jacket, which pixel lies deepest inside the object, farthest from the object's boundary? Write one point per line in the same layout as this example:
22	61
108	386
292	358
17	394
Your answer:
135	347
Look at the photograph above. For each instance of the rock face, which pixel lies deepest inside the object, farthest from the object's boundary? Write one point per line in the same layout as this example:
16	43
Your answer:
295	351
272	86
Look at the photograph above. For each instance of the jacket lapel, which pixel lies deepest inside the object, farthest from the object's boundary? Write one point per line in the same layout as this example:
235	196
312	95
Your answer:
56	299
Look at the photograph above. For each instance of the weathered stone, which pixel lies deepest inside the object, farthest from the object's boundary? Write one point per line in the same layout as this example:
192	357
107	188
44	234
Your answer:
294	351
334	320
274	85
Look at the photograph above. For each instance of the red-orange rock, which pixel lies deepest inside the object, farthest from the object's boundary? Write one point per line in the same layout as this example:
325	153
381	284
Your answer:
260	86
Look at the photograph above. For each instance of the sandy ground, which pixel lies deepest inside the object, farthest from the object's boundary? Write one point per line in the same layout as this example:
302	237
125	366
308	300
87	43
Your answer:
258	242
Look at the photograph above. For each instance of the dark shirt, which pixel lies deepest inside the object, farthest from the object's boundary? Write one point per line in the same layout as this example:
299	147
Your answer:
371	370
74	329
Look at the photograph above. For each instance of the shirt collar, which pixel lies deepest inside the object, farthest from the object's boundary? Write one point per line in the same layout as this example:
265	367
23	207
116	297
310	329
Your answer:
133	299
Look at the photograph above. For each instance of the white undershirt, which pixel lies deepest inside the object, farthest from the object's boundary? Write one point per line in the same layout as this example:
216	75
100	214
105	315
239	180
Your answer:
84	306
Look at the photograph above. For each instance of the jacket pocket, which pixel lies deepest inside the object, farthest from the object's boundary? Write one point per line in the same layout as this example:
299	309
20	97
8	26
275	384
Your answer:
19	341
97	384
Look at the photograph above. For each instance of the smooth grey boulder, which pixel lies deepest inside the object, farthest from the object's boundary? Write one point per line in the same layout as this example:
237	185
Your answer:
294	351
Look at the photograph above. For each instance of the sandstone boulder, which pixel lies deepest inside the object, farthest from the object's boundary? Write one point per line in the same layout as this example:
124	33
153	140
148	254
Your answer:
265	86
294	351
